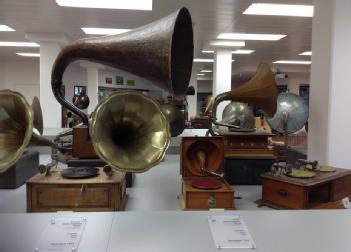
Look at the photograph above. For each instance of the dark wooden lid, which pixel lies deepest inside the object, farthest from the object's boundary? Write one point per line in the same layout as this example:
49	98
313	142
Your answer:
213	147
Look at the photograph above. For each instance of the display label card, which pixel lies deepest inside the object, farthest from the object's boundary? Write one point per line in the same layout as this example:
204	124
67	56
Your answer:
230	231
61	235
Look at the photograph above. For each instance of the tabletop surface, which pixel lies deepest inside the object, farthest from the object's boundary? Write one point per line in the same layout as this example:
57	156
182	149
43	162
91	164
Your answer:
288	231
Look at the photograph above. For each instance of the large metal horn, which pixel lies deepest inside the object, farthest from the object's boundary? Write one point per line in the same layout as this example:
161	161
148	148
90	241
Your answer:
260	90
161	51
129	131
16	128
291	115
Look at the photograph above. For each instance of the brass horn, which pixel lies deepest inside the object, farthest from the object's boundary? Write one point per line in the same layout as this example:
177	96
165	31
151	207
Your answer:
127	129
16	128
161	51
260	90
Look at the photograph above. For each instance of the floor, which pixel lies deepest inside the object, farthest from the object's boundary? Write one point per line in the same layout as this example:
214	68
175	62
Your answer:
156	189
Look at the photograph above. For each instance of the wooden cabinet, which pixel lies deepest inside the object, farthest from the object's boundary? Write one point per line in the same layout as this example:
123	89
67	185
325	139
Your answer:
53	193
321	191
192	198
82	146
247	156
197	199
284	195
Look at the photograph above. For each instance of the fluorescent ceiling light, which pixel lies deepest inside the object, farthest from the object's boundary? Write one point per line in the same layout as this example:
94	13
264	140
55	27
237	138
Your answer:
306	53
200	74
227	43
239	51
24	54
280	10
19	44
103	31
5	28
203	60
248	36
297	62
207	51
108	4
206	71
206	60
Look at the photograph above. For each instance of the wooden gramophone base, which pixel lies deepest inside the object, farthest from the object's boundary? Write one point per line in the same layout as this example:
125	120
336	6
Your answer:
54	193
202	199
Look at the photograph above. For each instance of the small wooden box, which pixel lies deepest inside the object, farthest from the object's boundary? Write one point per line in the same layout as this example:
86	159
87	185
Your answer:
82	146
321	191
54	193
199	199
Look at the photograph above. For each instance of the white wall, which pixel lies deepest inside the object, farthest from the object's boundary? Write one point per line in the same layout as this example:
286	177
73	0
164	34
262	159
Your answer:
294	80
204	86
339	87
319	117
192	99
18	76
74	75
14	73
140	83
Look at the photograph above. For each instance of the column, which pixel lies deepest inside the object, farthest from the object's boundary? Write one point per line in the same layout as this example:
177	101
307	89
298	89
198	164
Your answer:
92	83
222	76
92	87
51	108
50	46
330	91
192	99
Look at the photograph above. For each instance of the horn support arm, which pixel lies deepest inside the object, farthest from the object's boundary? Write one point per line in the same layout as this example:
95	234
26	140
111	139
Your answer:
56	86
213	119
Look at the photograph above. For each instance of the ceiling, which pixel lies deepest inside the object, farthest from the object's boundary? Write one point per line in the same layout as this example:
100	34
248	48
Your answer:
210	18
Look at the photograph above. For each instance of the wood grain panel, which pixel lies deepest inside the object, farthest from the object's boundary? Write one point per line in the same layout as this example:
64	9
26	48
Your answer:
284	195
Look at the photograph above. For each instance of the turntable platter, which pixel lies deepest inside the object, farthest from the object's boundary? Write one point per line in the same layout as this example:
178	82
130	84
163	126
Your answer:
206	184
80	172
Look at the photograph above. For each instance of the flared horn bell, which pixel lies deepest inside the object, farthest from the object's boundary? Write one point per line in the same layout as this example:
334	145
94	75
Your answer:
161	51
129	131
260	90
16	128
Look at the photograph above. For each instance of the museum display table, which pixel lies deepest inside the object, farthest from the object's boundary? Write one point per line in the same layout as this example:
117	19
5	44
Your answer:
272	231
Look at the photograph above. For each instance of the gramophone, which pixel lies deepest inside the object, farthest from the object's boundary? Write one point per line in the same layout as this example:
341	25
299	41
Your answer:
246	149
21	126
202	169
260	90
291	115
238	122
128	130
